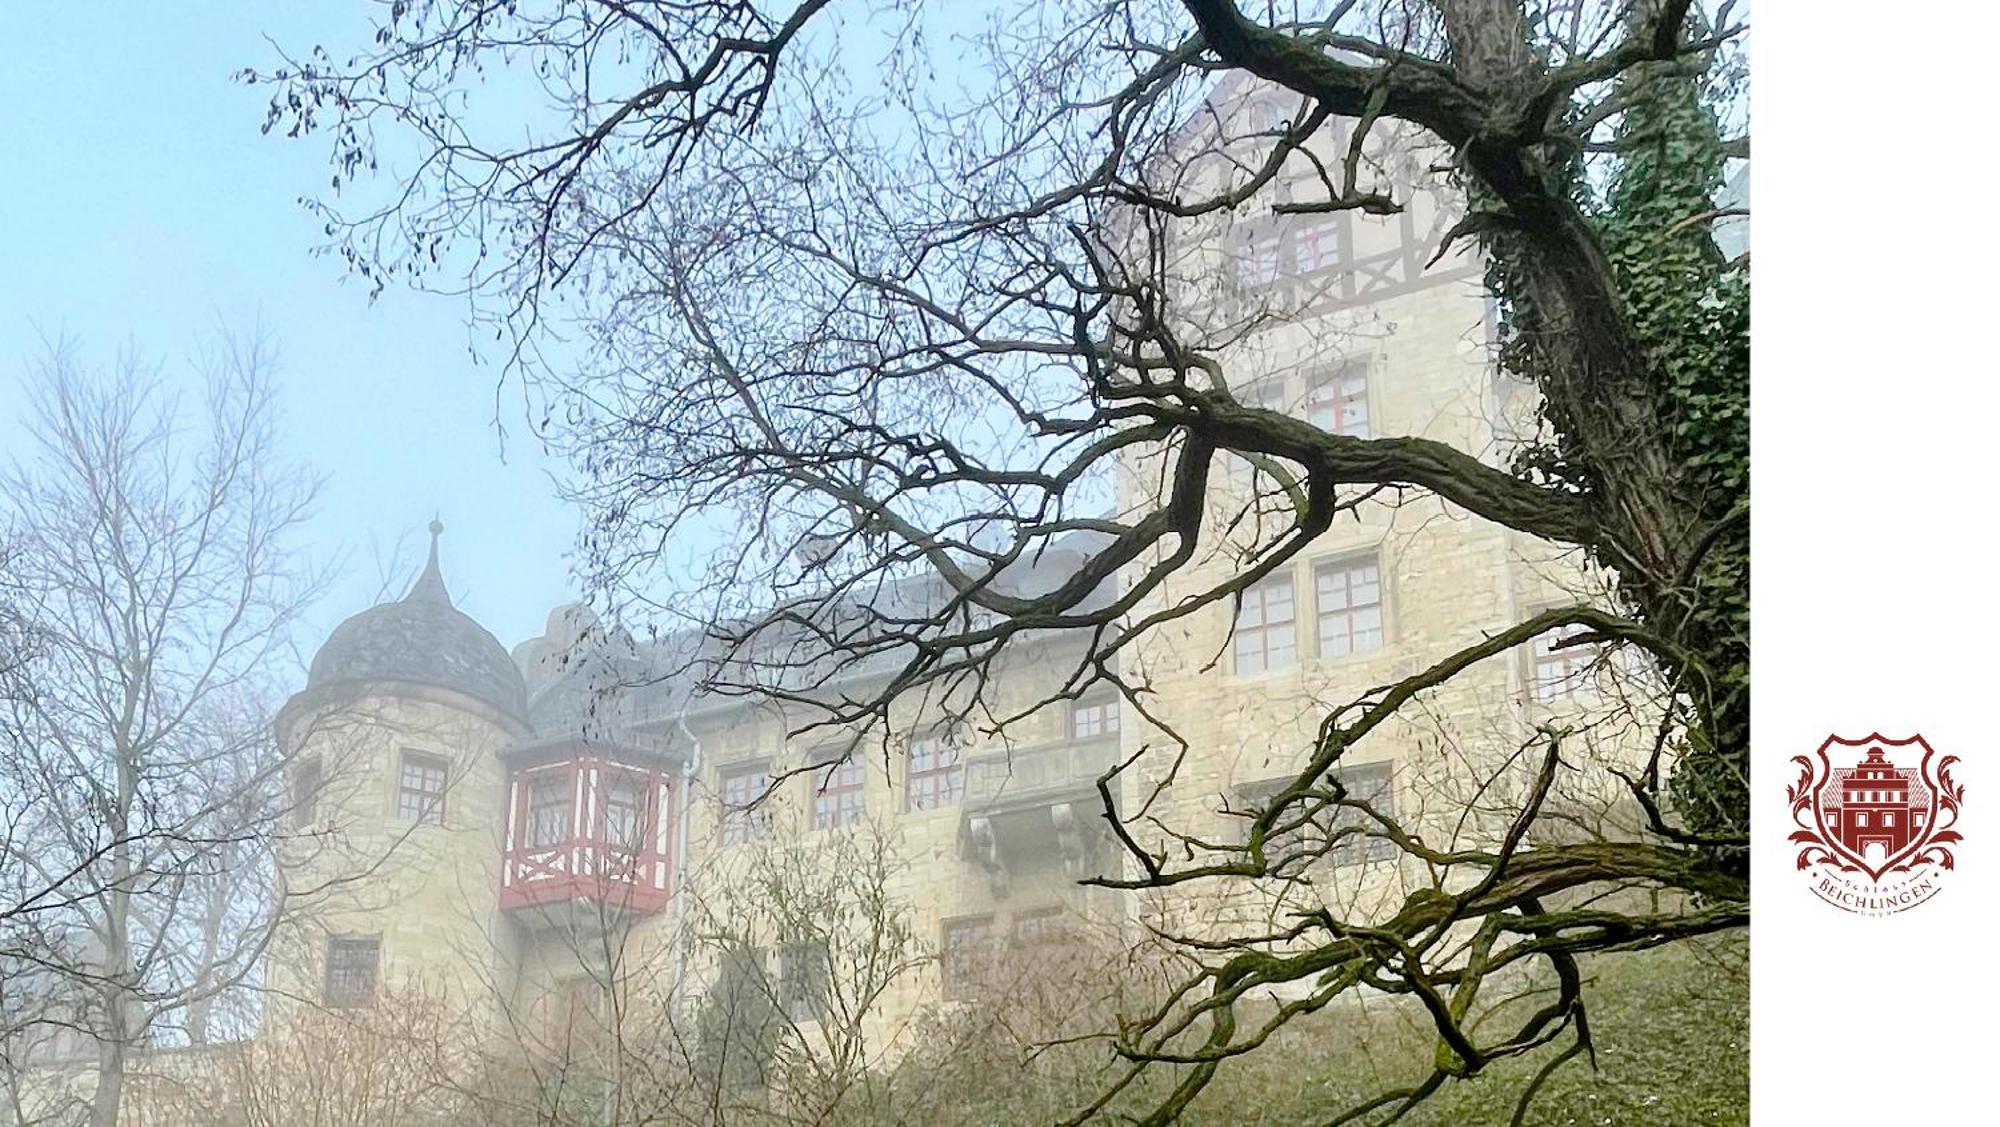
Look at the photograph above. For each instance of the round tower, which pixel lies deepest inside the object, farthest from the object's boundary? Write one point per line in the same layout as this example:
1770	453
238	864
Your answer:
396	788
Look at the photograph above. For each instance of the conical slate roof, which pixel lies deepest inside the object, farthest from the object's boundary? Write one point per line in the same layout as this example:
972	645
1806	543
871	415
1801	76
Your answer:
422	640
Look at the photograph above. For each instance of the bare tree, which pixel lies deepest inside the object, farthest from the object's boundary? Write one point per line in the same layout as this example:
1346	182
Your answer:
150	596
862	334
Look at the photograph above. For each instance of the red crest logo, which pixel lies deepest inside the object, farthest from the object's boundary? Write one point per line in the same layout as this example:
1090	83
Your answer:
1875	835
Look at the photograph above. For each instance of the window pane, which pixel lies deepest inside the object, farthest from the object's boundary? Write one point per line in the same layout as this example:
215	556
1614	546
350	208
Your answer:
1265	635
420	793
936	777
548	810
837	798
350	971
1561	673
1249	652
1341	405
742	787
625	813
1280	647
1093	718
1350	606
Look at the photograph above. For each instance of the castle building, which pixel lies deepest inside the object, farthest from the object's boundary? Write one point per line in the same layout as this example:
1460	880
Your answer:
515	830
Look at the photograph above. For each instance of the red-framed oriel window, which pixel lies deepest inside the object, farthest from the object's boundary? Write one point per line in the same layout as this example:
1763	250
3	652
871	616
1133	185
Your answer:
590	828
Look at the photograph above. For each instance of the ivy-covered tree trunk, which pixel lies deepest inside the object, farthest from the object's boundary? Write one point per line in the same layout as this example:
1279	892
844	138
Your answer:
1624	314
1691	311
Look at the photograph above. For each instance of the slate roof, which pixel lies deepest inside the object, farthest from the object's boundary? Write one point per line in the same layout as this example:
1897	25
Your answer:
422	639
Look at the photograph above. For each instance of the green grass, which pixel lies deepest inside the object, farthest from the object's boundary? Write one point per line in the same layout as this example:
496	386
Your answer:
1671	1028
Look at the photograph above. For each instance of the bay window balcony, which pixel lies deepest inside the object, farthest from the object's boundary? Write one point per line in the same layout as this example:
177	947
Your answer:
588	826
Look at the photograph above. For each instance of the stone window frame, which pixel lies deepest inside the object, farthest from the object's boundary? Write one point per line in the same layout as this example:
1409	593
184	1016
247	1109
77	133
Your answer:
1352	850
933	772
743	813
1334	395
1097	710
1348	560
422	804
839	782
1263	630
1301	390
353	970
1579	665
1036	927
805	978
965	944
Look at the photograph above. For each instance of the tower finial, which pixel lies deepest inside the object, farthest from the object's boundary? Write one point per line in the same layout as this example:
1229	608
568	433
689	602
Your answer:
429	586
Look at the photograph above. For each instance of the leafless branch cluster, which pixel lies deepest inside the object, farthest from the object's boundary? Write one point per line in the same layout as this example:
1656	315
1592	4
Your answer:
892	375
150	588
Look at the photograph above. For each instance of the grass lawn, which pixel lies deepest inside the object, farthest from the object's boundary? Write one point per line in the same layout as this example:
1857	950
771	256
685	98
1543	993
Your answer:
1672	1029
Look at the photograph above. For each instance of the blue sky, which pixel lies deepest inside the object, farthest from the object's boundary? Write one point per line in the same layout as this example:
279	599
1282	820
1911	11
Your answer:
140	202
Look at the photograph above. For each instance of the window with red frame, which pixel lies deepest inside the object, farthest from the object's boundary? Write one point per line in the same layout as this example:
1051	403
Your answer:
745	816
1266	625
837	796
548	809
936	776
1349	593
1340	405
420	790
1315	246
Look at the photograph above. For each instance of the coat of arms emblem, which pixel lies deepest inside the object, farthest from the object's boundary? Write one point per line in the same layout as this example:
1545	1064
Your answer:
1873	831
